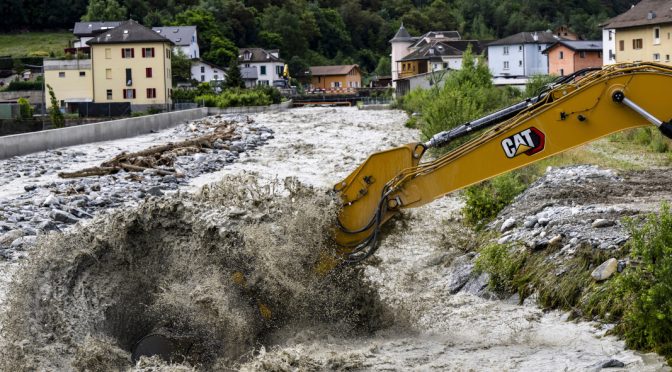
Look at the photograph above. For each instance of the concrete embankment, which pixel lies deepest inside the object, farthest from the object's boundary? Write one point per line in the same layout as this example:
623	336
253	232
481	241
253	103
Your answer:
27	143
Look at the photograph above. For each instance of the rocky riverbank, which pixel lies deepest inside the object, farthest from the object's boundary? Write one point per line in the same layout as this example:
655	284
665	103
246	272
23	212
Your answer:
48	203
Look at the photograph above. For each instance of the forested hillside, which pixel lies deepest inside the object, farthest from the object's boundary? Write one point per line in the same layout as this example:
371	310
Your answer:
318	32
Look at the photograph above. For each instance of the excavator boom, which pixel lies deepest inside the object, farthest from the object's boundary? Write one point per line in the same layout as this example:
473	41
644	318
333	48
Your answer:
573	111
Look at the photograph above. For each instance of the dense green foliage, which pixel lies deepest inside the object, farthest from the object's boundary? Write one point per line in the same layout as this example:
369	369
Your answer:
646	288
233	77
57	118
20	85
25	109
181	67
260	96
484	201
313	32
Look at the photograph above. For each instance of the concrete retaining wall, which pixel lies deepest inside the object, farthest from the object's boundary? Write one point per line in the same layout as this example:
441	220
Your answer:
21	144
27	143
249	109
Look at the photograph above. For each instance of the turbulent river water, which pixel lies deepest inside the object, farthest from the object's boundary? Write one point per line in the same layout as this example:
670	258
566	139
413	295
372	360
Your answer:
426	326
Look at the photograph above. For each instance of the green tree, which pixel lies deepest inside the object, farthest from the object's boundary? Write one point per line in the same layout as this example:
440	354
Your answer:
57	118
222	51
233	77
384	67
25	109
104	10
181	67
295	23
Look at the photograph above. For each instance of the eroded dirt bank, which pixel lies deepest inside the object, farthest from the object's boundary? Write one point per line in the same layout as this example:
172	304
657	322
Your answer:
423	309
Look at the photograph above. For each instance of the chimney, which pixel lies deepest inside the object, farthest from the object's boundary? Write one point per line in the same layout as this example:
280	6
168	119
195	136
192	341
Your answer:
651	15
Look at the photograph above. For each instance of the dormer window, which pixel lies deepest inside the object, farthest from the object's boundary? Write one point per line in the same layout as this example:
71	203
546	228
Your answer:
247	55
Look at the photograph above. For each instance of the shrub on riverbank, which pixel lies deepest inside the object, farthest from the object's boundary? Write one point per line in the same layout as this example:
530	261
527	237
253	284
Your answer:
235	98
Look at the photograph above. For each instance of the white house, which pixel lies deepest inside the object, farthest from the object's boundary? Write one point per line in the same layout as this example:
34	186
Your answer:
608	46
520	55
85	31
184	37
267	63
206	72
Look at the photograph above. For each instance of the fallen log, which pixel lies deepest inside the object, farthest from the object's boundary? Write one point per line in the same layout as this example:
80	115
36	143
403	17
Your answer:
161	155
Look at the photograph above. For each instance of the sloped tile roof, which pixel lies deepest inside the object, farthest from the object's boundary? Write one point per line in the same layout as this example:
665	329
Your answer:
646	12
179	35
128	32
438	49
331	70
258	55
84	29
578	45
542	37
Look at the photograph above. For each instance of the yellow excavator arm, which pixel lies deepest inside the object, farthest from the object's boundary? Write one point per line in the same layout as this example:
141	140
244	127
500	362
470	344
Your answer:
575	110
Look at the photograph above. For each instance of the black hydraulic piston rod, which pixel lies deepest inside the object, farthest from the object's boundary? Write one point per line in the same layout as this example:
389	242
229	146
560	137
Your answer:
443	138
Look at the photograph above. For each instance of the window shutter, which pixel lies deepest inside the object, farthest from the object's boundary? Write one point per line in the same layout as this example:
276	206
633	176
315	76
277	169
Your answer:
132	52
124	93
122	52
143	53
153	53
134	93
148	94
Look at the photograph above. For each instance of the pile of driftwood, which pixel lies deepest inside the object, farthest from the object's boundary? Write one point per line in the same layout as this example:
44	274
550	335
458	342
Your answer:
159	159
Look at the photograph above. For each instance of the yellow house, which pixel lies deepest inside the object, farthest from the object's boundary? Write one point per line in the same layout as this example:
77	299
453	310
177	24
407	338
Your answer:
72	81
643	33
131	63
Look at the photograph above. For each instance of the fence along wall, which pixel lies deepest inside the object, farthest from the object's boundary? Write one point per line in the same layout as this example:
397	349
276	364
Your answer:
22	144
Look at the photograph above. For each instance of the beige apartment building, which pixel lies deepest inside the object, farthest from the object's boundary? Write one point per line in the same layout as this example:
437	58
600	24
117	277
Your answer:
129	63
643	33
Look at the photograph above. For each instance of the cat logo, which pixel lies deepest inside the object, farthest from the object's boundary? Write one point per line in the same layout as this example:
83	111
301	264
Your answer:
528	142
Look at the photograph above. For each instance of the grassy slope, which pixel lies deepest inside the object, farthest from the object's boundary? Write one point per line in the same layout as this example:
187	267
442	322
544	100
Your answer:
18	45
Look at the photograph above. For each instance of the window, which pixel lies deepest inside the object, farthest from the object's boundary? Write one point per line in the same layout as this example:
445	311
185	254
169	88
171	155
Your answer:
621	45
562	55
108	53
656	57
61	74
129	77
279	70
202	78
128	53
109	94
167	53
506	65
667	58
202	69
612	56
506	50
148	72
610	34
582	54
520	48
108	73
520	63
656	35
151	92
637	44
539	47
82	73
129	93
247	55
336	84
215	77
262	70
147	52
562	72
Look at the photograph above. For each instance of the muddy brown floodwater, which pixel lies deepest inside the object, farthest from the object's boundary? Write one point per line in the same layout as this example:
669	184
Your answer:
84	297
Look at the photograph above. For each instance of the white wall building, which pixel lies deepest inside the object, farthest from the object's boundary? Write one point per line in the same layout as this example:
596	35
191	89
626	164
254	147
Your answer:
520	55
206	72
608	46
267	63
